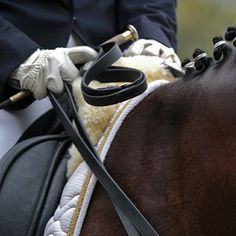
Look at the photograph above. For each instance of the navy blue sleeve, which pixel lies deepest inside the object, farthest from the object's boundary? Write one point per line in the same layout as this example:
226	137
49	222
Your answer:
15	47
154	19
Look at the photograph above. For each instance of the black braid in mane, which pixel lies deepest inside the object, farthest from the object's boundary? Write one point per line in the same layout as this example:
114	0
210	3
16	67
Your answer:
200	62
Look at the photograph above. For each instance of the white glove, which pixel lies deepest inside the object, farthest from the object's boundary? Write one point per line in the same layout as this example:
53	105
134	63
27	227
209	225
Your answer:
150	47
46	69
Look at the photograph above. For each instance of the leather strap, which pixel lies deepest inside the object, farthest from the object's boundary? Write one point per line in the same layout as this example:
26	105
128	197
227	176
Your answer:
118	197
102	71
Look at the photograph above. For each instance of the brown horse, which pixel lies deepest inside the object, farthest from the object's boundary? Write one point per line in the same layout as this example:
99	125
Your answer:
175	156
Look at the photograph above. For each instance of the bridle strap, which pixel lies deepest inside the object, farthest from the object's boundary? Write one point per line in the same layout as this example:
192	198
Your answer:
102	71
80	139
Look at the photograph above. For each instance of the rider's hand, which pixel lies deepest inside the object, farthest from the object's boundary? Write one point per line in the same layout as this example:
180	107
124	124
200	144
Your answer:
151	47
46	69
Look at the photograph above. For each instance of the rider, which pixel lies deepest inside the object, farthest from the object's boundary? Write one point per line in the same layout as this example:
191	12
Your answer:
40	41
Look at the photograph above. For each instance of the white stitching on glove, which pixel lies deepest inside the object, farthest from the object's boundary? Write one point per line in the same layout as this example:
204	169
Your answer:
150	47
45	69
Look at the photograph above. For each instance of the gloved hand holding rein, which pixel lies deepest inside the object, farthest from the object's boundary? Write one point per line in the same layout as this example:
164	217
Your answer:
46	69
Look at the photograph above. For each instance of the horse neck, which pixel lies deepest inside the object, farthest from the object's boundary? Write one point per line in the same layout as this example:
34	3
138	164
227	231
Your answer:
175	160
174	156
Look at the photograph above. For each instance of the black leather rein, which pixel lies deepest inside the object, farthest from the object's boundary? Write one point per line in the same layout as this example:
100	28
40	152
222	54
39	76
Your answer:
133	220
102	71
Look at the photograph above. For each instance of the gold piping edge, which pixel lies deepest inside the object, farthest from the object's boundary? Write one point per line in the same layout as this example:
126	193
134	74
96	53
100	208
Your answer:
79	204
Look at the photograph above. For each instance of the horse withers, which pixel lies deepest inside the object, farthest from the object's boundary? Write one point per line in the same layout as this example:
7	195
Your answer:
175	154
